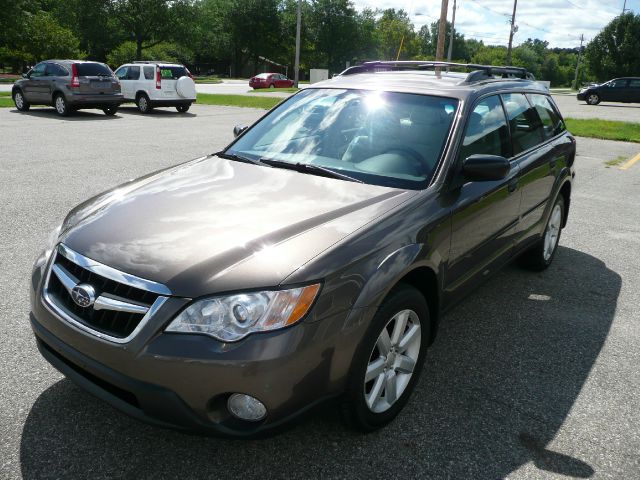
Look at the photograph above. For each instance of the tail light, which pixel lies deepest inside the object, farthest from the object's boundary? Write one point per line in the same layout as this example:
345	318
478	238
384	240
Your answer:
75	81
158	78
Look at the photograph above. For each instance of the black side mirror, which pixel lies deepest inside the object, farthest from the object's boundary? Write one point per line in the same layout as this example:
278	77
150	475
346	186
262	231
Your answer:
239	129
479	168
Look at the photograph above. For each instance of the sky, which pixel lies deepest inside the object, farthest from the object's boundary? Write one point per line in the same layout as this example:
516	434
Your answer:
560	22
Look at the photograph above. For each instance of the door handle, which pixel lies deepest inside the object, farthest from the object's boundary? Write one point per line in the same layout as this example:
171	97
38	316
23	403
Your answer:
512	185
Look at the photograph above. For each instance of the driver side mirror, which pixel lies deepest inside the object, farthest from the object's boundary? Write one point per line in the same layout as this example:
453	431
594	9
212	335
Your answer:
26	75
239	129
480	168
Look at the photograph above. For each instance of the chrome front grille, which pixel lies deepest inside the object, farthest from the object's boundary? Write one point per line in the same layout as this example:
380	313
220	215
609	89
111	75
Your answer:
99	299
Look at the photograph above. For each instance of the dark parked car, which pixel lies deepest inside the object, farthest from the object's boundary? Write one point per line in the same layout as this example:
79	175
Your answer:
270	80
313	257
625	90
68	85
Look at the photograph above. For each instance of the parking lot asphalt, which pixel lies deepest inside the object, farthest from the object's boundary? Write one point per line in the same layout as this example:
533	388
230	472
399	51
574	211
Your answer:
532	376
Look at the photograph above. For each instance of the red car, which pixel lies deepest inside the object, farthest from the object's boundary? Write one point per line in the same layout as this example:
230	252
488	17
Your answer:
270	80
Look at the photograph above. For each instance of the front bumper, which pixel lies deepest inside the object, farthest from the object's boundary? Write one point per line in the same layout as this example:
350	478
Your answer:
581	96
183	381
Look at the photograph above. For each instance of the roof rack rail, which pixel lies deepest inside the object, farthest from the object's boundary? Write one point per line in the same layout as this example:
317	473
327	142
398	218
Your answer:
150	61
479	73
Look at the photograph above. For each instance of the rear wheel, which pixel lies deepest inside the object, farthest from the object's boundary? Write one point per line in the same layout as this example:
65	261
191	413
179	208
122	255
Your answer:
20	101
593	99
110	110
183	108
540	256
388	363
61	105
142	101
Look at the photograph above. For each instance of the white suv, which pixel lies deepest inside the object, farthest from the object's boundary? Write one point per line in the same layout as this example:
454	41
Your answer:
157	84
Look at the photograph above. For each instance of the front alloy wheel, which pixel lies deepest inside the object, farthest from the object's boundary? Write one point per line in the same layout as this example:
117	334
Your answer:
392	361
593	99
388	361
20	101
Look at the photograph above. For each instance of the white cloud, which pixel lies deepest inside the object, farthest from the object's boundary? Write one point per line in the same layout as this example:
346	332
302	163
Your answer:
560	22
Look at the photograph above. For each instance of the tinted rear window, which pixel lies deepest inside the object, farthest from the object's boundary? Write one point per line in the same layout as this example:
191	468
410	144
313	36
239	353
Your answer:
173	72
92	69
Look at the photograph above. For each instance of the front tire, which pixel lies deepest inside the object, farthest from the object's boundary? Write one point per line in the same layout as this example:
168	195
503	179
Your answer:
389	360
593	99
143	103
20	102
540	256
272	86
61	105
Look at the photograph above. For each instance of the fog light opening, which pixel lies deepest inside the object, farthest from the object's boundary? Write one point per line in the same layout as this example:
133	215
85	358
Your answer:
246	407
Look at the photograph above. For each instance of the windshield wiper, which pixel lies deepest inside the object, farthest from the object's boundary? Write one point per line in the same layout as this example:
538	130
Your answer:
237	158
309	168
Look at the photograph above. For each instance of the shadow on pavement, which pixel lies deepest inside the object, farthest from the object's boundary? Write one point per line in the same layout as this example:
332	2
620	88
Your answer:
156	112
501	378
77	116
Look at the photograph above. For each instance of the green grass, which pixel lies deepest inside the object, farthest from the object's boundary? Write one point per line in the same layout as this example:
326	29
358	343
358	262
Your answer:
6	100
604	129
238	100
207	79
271	90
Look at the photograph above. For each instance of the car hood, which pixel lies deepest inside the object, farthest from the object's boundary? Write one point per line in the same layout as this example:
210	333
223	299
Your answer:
215	225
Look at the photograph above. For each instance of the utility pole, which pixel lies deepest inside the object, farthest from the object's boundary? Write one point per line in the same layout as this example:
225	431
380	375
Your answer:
624	7
442	27
575	79
512	32
296	73
452	35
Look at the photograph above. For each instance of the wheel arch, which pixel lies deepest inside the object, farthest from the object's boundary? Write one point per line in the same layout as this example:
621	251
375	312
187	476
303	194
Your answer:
425	280
565	191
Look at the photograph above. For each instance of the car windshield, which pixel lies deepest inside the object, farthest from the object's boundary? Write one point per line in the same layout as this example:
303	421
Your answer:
381	138
93	70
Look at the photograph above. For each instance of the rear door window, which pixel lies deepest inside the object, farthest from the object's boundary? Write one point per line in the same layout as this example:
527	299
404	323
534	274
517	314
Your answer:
91	69
149	72
487	132
634	83
133	73
54	70
551	121
526	128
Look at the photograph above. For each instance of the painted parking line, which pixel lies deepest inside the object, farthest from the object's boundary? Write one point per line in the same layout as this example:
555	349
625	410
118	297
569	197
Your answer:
630	163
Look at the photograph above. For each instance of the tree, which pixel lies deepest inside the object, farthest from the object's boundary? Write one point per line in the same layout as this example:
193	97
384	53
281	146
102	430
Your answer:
45	38
615	51
334	33
147	22
396	35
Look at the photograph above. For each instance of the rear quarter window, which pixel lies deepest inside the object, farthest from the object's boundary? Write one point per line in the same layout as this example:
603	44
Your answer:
149	73
92	69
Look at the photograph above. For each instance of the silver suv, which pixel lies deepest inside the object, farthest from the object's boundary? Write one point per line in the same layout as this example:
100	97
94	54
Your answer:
68	85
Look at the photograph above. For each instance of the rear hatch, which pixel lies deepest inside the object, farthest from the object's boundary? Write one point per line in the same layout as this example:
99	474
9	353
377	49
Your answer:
95	79
169	75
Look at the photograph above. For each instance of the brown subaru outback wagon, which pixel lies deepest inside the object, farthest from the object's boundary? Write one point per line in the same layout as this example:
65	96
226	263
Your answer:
313	257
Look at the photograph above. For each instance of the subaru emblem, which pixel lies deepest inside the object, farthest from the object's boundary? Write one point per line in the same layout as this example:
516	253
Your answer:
84	295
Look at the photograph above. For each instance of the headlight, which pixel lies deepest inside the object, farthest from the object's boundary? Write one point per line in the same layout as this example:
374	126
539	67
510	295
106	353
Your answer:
51	242
232	317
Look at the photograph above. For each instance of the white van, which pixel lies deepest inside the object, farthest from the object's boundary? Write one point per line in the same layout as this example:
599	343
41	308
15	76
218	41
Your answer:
157	84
